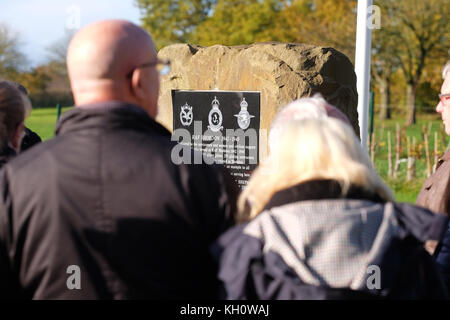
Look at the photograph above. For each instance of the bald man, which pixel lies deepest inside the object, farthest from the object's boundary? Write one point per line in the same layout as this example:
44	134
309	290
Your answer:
100	211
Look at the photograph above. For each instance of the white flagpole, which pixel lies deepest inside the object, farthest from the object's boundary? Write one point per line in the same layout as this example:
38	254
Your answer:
362	66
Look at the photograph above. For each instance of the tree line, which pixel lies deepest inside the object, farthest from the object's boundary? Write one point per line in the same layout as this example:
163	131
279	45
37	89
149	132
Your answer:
408	51
48	83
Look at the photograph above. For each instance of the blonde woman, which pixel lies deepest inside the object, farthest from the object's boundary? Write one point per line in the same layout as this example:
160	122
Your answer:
318	222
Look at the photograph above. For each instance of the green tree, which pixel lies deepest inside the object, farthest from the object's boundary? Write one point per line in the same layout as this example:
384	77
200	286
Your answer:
321	22
419	29
237	22
36	81
173	21
56	64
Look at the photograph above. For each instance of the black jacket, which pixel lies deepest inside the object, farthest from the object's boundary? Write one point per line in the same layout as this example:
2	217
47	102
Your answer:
310	243
30	139
6	154
442	255
104	195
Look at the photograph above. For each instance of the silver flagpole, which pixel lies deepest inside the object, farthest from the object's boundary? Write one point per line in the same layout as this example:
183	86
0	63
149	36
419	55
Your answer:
362	66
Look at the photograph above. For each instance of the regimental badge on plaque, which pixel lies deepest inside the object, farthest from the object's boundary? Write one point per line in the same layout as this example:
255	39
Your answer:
186	115
243	117
215	116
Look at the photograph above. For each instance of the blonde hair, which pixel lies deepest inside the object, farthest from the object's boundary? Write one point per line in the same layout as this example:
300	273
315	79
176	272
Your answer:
312	107
308	149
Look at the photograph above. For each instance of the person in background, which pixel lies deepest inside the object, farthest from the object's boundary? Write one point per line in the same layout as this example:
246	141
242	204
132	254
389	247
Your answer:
101	211
317	222
435	192
30	137
12	115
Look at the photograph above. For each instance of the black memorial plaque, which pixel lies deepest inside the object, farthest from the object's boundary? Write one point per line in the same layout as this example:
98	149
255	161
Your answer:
223	125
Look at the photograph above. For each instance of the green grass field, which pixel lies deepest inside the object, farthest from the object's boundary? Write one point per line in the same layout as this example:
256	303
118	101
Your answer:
407	191
43	122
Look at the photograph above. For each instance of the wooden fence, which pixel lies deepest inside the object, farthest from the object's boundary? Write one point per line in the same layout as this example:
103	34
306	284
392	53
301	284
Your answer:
407	145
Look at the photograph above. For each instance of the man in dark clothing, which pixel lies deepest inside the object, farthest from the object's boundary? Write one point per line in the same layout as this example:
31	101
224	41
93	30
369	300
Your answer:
101	211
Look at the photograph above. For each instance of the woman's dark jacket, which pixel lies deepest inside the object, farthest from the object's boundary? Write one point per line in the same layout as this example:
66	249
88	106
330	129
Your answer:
6	154
30	139
310	243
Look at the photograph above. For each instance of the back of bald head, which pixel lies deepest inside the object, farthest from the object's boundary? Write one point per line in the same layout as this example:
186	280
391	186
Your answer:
101	54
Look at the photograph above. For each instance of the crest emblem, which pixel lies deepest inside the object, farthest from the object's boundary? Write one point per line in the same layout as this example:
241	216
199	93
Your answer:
243	117
215	116
186	115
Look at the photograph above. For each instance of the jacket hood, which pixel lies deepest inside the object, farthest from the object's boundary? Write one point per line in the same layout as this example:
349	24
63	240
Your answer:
318	190
330	242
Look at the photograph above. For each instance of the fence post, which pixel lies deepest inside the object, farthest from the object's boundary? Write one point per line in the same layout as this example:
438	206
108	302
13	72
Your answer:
408	155
372	148
397	149
58	111
413	157
389	155
371	101
436	145
427	155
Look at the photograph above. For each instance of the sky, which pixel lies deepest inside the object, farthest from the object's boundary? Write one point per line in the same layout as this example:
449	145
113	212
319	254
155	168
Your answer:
40	23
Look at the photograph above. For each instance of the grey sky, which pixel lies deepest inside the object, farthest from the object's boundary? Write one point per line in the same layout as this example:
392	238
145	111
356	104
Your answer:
40	23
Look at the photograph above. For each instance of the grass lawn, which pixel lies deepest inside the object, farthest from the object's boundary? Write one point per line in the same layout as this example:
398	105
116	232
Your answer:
43	122
407	191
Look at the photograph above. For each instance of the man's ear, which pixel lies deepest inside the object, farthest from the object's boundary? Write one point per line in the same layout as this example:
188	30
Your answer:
136	85
18	136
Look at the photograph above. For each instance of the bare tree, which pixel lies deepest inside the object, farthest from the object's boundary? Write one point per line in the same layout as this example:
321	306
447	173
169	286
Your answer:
56	63
12	60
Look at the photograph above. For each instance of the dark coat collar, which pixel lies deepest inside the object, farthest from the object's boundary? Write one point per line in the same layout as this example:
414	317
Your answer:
421	223
108	115
6	154
317	190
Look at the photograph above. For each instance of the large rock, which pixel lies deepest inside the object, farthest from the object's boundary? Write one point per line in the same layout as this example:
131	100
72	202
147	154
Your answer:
282	72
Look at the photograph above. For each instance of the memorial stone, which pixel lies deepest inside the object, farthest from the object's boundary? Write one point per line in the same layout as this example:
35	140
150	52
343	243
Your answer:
278	73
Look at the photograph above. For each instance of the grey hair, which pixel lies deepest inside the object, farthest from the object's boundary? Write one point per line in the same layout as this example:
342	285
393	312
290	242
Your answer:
310	149
304	108
445	70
